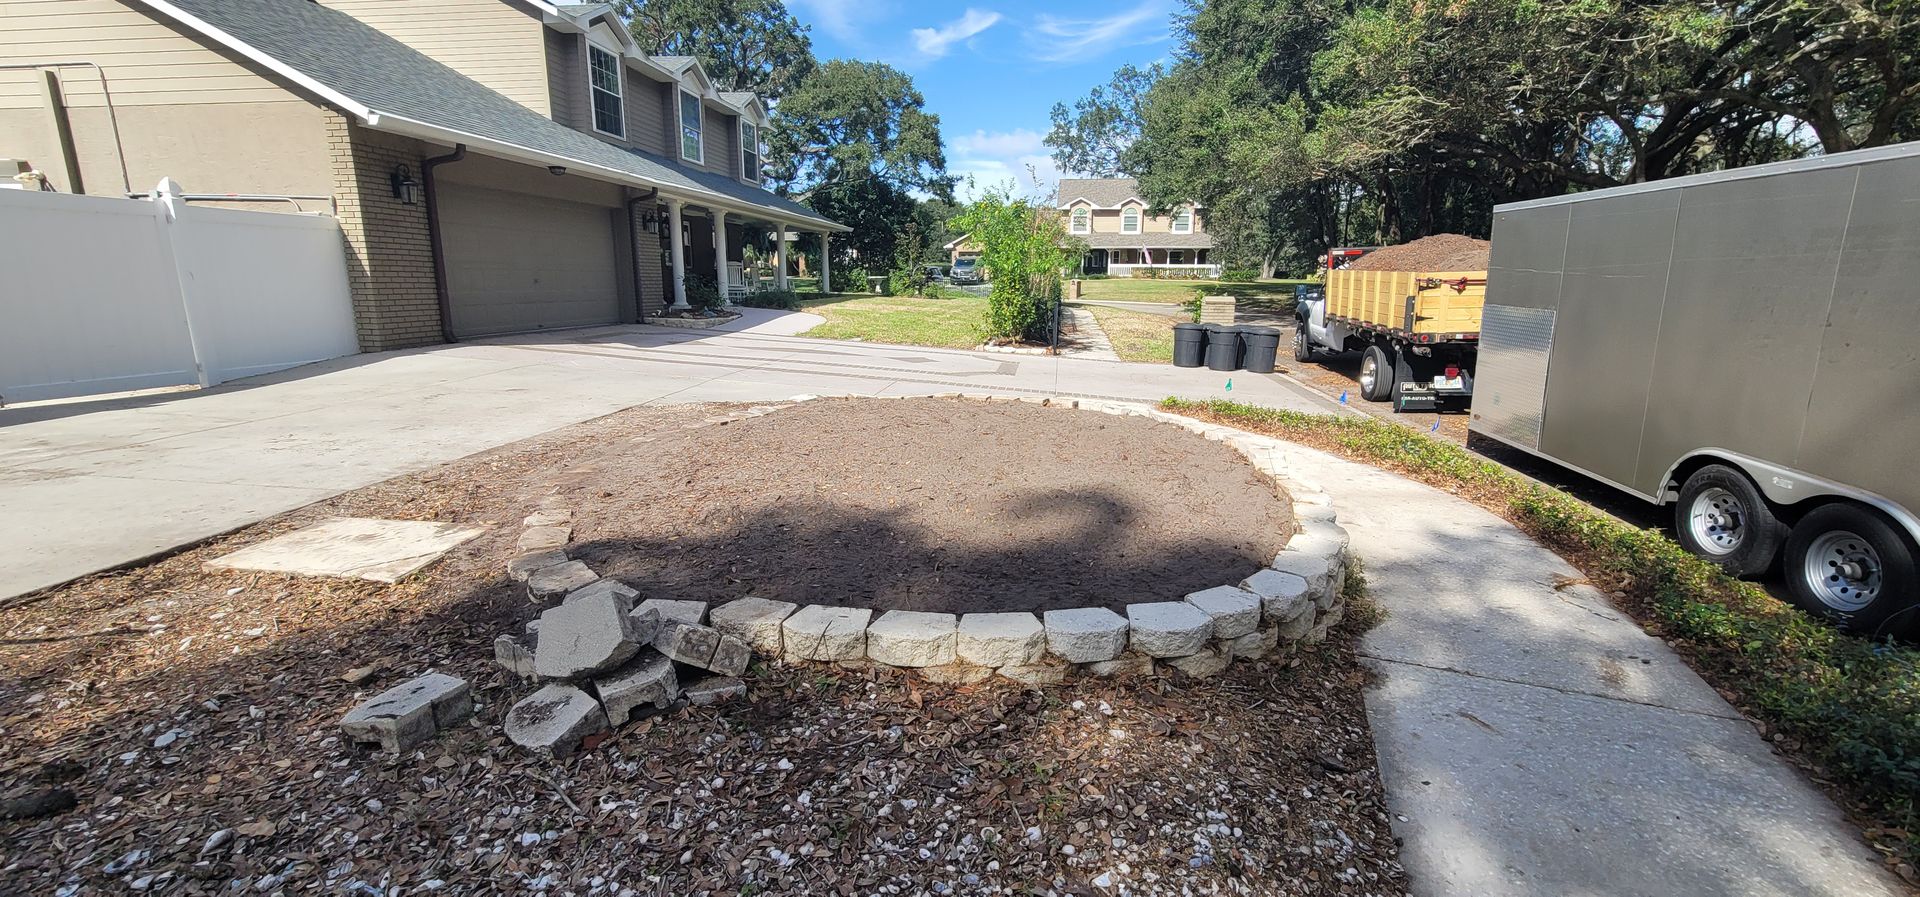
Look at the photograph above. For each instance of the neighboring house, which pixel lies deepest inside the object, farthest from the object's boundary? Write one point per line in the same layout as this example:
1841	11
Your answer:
962	247
1122	234
496	166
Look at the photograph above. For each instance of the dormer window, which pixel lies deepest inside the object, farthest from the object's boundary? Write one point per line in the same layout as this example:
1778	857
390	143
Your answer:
749	151
603	81
691	148
1183	221
1082	220
1130	220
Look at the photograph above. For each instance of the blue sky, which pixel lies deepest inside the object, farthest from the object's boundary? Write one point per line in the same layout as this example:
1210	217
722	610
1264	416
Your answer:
991	71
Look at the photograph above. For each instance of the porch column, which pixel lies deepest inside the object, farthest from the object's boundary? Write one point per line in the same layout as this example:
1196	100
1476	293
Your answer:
720	255
780	258
677	251
826	266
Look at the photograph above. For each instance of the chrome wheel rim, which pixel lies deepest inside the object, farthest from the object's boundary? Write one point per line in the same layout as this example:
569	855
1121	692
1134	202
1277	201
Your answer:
1369	373
1718	521
1842	570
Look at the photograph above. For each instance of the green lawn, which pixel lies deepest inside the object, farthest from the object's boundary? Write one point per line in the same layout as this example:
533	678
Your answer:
1136	335
1130	289
956	323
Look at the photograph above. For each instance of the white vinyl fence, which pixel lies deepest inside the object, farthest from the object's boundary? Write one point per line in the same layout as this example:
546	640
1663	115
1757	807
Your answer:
104	295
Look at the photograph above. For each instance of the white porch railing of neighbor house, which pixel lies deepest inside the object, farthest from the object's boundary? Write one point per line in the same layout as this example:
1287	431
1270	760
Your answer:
1179	270
101	294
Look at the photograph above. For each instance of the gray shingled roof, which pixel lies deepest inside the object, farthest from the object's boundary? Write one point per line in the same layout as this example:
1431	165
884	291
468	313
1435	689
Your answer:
1103	192
379	72
1146	241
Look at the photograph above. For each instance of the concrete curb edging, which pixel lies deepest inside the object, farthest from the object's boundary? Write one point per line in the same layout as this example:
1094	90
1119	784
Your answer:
1296	600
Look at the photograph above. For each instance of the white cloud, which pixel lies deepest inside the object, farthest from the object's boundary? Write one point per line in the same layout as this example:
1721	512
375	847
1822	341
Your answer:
1018	141
1056	39
994	158
837	17
934	43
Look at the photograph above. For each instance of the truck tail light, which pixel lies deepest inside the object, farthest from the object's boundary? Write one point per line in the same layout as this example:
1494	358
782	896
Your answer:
1453	370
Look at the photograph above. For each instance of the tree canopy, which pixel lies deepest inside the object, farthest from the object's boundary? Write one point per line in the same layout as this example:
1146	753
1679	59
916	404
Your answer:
750	45
1299	124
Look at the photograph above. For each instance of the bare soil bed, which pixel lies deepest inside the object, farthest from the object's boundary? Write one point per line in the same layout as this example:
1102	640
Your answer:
190	717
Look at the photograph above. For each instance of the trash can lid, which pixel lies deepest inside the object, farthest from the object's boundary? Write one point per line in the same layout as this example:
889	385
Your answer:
1259	329
1219	328
1189	326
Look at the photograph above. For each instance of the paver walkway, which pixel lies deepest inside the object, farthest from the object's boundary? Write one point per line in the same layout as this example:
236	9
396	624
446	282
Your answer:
85	486
1081	336
1535	741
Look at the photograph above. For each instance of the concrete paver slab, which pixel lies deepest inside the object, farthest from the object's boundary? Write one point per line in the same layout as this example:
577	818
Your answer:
352	547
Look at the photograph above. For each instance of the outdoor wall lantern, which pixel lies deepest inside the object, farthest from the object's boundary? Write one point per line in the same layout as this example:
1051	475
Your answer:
650	222
556	170
405	188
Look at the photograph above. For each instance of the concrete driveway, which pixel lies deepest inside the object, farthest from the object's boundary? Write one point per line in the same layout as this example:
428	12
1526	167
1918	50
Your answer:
86	486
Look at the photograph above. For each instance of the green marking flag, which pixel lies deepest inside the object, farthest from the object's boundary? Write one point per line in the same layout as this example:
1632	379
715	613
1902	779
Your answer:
1229	384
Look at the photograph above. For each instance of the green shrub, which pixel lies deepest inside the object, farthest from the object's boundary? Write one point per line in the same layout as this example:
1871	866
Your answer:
1850	705
1023	250
1239	275
780	299
703	291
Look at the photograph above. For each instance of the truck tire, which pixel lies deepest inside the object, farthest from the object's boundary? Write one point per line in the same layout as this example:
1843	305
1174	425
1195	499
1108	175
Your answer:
1376	375
1851	566
1722	517
1302	344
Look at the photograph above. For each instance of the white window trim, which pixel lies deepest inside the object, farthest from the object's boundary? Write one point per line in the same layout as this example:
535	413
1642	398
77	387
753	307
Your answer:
620	76
1078	224
1176	221
759	154
680	118
1137	216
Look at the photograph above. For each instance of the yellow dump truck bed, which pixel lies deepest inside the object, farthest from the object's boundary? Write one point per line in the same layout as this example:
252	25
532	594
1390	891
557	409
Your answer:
1445	305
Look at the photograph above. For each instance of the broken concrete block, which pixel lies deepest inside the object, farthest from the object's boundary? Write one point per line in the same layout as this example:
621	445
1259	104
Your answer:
715	689
687	642
646	624
514	656
1128	664
409	714
998	640
552	722
755	621
1235	612
549	517
585	637
1085	634
1254	645
619	590
694	612
908	638
819	632
1046	672
730	656
649	680
955	674
556	580
1167	628
1205	663
535	538
521	566
533	633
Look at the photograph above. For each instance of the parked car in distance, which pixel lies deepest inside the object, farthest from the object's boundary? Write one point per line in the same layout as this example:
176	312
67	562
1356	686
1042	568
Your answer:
934	273
965	271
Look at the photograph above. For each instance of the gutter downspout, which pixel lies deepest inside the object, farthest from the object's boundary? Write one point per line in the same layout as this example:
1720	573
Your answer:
440	293
639	300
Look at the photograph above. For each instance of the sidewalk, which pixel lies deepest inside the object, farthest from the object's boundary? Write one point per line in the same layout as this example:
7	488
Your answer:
1534	741
89	485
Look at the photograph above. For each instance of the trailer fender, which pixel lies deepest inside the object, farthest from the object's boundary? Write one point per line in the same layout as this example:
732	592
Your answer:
1786	486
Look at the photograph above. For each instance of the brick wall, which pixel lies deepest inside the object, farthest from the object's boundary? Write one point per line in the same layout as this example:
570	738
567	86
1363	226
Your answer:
389	256
647	251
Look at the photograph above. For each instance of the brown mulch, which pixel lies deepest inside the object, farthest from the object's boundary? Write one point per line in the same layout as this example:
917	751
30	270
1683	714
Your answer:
191	715
940	505
1440	252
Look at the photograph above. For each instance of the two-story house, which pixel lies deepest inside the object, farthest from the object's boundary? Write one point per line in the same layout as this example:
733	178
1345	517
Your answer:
1123	234
496	166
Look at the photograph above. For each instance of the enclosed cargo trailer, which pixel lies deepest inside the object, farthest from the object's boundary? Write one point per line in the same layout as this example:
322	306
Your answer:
1743	345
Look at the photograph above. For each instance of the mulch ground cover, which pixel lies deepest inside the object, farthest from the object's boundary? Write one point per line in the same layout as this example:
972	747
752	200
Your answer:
173	729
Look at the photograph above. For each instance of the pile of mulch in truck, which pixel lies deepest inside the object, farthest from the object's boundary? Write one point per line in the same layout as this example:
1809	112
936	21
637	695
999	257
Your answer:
1440	252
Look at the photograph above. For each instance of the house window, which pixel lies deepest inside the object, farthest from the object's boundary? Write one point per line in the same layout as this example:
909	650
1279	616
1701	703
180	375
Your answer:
1183	221
1130	221
603	81
1176	256
1082	221
690	148
749	151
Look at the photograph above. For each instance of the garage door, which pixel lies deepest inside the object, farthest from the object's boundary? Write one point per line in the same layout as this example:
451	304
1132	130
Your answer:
518	262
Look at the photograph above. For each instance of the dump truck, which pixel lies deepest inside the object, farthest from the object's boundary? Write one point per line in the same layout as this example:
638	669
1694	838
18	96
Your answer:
1418	332
1742	345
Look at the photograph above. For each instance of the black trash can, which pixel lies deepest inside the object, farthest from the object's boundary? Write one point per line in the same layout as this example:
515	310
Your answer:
1223	347
1189	345
1261	345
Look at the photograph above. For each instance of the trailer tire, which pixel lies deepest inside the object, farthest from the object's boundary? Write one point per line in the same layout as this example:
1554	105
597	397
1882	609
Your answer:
1377	375
1721	516
1853	567
1302	344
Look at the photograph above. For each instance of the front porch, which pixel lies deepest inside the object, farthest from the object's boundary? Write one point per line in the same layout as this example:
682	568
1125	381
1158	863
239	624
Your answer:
740	253
1124	262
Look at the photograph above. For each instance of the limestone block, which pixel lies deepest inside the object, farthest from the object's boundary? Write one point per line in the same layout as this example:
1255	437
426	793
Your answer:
1128	664
1235	612
820	632
1085	634
648	680
694	612
955	674
687	642
521	566
585	637
1168	628
1203	664
514	656
552	722
906	638
715	689
1046	672
409	714
558	579
755	621
998	640
535	538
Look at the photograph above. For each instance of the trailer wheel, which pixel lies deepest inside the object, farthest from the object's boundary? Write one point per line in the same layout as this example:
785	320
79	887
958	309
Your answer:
1723	518
1376	375
1302	346
1849	565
